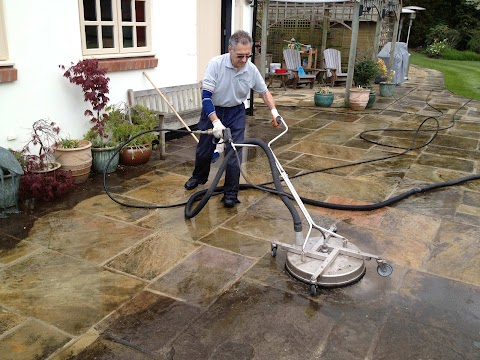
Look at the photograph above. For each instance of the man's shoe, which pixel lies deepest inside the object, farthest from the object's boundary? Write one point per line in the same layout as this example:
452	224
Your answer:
192	183
229	203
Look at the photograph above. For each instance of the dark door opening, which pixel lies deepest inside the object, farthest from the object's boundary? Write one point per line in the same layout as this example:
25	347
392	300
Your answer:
226	24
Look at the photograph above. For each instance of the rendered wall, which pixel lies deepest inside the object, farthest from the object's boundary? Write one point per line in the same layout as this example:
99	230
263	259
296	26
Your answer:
43	34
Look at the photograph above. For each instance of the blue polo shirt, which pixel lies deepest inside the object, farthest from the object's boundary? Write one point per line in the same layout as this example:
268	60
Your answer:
229	86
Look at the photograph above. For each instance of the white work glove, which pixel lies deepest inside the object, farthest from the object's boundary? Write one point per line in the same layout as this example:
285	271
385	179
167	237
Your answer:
218	128
275	115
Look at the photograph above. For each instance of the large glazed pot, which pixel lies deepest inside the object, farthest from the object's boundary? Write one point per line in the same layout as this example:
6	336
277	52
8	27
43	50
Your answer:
323	100
387	90
101	157
9	191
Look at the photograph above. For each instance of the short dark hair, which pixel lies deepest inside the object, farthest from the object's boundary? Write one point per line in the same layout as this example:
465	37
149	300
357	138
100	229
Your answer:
241	37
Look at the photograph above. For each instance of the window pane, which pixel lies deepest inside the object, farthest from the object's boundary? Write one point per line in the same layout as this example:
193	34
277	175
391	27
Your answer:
127	36
141	36
91	37
89	10
140	10
107	37
106	9
126	10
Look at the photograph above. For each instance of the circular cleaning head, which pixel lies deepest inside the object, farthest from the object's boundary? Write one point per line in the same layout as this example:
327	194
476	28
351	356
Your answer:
330	269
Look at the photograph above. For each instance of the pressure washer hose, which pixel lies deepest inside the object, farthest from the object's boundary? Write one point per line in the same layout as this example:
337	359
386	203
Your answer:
205	195
297	222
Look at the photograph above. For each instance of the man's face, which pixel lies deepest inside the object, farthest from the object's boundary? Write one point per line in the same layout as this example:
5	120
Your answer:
241	55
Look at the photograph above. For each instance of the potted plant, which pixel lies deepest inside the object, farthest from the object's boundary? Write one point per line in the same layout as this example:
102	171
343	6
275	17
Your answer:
323	97
42	179
94	84
358	98
43	139
126	123
365	72
387	88
75	156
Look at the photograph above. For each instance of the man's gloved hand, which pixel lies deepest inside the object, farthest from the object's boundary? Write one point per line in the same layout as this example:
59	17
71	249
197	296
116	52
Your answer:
275	115
218	128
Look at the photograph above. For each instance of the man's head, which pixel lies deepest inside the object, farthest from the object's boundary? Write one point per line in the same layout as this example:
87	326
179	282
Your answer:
240	48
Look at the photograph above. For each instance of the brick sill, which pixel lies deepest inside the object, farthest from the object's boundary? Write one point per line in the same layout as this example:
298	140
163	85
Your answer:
8	74
125	64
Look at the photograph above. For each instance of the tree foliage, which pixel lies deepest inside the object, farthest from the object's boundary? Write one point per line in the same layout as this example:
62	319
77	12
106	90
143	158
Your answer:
461	15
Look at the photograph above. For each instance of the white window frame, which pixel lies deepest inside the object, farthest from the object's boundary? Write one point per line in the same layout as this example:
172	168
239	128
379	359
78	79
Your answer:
3	35
118	50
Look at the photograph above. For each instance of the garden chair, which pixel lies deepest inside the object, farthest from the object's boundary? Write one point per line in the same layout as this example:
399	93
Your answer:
293	63
333	63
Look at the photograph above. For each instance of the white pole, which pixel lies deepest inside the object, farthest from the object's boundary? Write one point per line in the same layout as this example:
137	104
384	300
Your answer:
408	33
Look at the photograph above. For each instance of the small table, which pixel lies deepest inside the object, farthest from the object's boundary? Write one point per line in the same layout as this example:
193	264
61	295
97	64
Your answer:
281	76
321	76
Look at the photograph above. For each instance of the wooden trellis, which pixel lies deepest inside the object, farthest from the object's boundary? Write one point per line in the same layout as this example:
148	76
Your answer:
305	22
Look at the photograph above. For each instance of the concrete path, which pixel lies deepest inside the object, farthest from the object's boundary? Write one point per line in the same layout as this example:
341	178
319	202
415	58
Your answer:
86	278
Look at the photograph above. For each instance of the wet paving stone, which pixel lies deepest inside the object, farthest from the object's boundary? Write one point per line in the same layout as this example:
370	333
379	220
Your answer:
431	316
31	340
106	349
328	150
81	235
201	277
9	320
149	322
446	162
153	257
67	293
265	323
237	242
103	205
17	251
455	252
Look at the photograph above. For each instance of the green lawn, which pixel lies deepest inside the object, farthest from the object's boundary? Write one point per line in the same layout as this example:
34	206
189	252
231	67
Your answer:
461	77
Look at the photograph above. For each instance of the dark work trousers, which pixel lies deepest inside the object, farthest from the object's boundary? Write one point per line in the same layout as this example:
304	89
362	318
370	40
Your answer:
233	118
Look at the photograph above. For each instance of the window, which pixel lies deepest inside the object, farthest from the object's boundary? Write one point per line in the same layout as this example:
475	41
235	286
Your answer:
3	35
115	26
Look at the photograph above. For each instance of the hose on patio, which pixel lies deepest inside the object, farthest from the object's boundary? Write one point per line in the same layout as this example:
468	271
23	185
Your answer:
205	195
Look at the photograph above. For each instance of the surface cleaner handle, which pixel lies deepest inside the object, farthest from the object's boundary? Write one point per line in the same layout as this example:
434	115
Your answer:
227	135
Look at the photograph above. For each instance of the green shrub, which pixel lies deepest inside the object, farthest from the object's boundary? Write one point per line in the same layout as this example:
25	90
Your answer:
441	33
474	42
365	72
437	49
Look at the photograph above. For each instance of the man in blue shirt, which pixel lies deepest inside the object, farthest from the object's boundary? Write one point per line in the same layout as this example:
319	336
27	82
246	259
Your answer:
226	85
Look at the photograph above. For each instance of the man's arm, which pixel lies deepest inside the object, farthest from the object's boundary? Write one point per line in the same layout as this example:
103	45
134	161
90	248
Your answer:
268	100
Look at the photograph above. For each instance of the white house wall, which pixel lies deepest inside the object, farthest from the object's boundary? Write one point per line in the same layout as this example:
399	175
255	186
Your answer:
43	34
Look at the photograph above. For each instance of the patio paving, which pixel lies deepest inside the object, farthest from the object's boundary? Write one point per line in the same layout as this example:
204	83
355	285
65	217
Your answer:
86	278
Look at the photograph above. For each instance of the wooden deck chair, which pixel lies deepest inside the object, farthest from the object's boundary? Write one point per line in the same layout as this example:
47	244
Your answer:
293	63
333	64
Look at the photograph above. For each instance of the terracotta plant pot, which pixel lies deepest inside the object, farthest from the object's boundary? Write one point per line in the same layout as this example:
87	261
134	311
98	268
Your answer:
78	160
135	155
359	98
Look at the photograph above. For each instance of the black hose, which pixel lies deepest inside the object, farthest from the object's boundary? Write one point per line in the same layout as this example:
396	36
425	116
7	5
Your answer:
205	195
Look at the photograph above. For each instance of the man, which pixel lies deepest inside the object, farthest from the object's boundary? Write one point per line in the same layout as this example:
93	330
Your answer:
226	85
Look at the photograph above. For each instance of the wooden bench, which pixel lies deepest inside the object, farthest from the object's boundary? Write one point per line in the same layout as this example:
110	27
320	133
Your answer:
186	100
